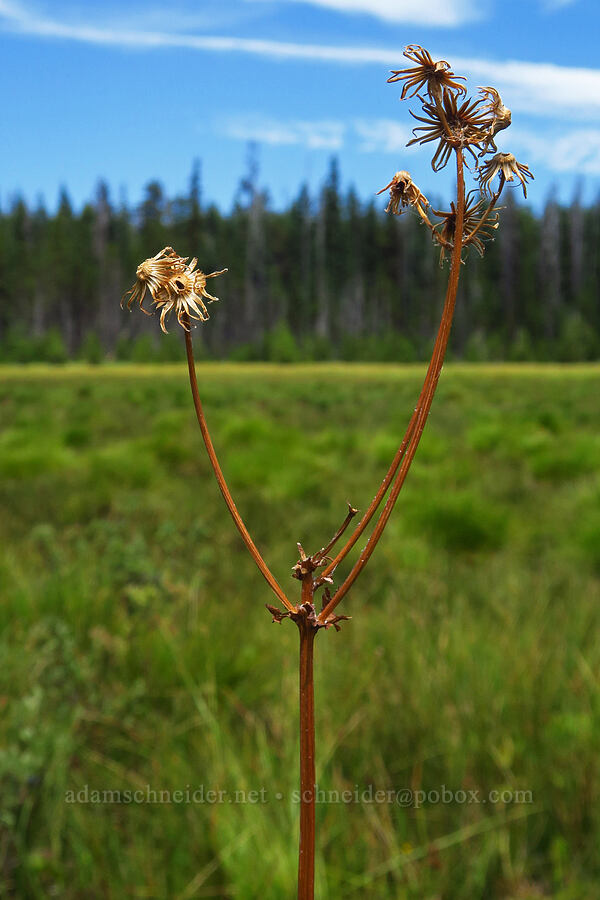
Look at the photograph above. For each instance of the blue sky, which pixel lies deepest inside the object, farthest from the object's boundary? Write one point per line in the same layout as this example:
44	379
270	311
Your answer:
132	91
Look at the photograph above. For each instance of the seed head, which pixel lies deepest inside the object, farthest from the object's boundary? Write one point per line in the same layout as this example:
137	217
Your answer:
505	165
403	192
184	294
154	275
453	126
501	116
173	285
427	72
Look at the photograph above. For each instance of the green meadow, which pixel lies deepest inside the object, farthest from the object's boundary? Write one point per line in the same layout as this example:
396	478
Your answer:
137	659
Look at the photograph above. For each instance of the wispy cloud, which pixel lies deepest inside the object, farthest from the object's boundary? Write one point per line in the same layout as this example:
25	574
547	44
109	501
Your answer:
433	13
381	135
540	88
576	150
321	135
366	135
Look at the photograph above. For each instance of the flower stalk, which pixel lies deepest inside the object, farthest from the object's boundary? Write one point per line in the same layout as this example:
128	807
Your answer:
239	522
419	419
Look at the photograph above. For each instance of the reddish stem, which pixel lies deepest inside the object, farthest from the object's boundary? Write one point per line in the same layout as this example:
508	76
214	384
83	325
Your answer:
437	358
254	552
306	853
417	423
369	513
322	554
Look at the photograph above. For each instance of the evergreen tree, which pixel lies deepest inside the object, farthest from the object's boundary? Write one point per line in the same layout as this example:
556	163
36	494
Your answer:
328	278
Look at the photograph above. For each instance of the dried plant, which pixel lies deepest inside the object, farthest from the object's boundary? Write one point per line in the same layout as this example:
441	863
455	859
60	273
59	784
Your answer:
154	275
435	76
501	114
476	229
184	294
505	165
453	126
403	193
459	124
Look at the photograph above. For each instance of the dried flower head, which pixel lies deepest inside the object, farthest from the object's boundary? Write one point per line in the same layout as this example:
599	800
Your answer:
403	192
184	294
154	275
435	75
464	126
501	115
477	228
505	165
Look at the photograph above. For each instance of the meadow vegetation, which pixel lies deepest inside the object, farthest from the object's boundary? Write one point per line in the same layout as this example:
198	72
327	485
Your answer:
135	649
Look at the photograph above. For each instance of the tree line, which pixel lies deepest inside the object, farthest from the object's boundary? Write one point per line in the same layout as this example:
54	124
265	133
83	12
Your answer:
328	277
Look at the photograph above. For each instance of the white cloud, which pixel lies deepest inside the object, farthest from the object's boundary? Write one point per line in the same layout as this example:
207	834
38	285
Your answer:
433	13
366	135
574	151
544	89
541	88
381	135
323	135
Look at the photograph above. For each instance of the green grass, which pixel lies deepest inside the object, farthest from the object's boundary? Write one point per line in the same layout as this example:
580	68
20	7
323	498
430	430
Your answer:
135	648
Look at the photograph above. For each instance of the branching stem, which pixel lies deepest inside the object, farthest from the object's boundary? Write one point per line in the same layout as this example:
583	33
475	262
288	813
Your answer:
469	237
322	554
440	240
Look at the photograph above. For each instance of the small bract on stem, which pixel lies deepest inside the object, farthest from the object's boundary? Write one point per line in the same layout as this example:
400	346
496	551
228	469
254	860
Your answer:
458	125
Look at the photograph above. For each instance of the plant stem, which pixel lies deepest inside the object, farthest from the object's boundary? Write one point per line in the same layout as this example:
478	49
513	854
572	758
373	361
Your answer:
254	552
435	364
322	554
469	237
425	401
306	852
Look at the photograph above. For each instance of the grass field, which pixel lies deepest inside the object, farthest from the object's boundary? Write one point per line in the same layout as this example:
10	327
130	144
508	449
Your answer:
136	653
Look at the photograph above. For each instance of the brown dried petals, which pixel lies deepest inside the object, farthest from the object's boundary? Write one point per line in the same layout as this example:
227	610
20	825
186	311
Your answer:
501	116
184	294
505	165
403	192
464	126
154	275
435	75
478	226
174	286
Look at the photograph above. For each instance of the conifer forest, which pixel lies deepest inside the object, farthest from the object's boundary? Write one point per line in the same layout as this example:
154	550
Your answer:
328	277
